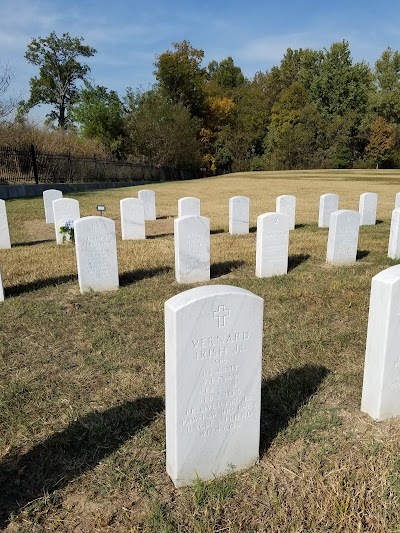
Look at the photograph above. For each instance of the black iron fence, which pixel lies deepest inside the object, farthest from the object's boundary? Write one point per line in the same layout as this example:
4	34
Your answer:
28	165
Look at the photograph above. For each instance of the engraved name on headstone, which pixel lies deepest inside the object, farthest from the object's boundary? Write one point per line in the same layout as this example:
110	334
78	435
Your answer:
64	209
5	242
192	249
367	208
328	203
286	204
213	348
381	386
239	215
48	197
272	244
96	254
188	206
132	219
148	198
343	237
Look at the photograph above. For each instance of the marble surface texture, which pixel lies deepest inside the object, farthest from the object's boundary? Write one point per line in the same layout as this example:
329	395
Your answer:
96	254
192	249
272	245
48	197
132	219
213	348
381	385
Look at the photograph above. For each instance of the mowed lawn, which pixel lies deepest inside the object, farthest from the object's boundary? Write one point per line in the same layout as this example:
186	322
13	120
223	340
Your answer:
82	430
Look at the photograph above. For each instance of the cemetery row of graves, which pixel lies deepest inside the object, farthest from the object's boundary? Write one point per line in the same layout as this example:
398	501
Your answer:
236	346
96	249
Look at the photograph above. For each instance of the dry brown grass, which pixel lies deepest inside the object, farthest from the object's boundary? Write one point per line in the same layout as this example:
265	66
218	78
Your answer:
47	140
82	444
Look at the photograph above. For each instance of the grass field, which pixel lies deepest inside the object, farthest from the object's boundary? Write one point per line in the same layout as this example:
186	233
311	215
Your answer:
82	431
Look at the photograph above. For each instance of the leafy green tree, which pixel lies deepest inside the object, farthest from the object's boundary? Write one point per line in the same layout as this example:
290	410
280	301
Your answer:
226	74
100	114
181	76
336	85
59	72
292	140
385	101
162	132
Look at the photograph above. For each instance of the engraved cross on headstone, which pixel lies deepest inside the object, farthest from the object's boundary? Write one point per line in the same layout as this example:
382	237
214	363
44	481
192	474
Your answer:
221	314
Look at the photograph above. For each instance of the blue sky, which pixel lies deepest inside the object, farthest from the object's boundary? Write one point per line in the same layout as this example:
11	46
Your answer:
128	34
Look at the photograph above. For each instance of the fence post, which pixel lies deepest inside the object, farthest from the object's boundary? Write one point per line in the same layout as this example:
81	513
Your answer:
34	164
70	167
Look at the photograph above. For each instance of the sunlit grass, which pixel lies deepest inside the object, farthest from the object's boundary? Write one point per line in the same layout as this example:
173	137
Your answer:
82	432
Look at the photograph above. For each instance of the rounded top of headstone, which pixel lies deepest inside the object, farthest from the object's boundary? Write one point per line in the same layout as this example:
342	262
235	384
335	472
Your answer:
286	196
200	293
272	215
345	212
389	275
369	194
239	198
97	221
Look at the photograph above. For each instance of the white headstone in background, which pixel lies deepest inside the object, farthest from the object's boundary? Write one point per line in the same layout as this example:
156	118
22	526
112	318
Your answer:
1	289
48	197
5	242
149	201
286	205
394	238
368	205
381	386
328	203
132	219
213	348
64	209
272	245
397	201
96	254
343	237
239	215
192	249
188	206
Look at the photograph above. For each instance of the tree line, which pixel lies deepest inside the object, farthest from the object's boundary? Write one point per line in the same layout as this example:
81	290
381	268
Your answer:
316	109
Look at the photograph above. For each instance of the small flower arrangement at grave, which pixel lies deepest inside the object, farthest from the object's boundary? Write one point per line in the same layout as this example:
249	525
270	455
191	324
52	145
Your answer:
67	231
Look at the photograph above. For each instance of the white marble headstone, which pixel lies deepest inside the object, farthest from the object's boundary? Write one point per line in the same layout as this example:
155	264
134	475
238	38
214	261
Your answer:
381	386
48	197
343	237
213	349
272	244
397	201
286	204
368	205
394	237
239	215
149	201
64	209
328	203
192	249
132	219
5	242
1	289
96	254
188	206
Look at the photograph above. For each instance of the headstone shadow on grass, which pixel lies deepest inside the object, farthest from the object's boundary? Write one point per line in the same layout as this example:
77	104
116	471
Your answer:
296	259
31	243
16	290
127	278
361	254
52	464
223	268
282	397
